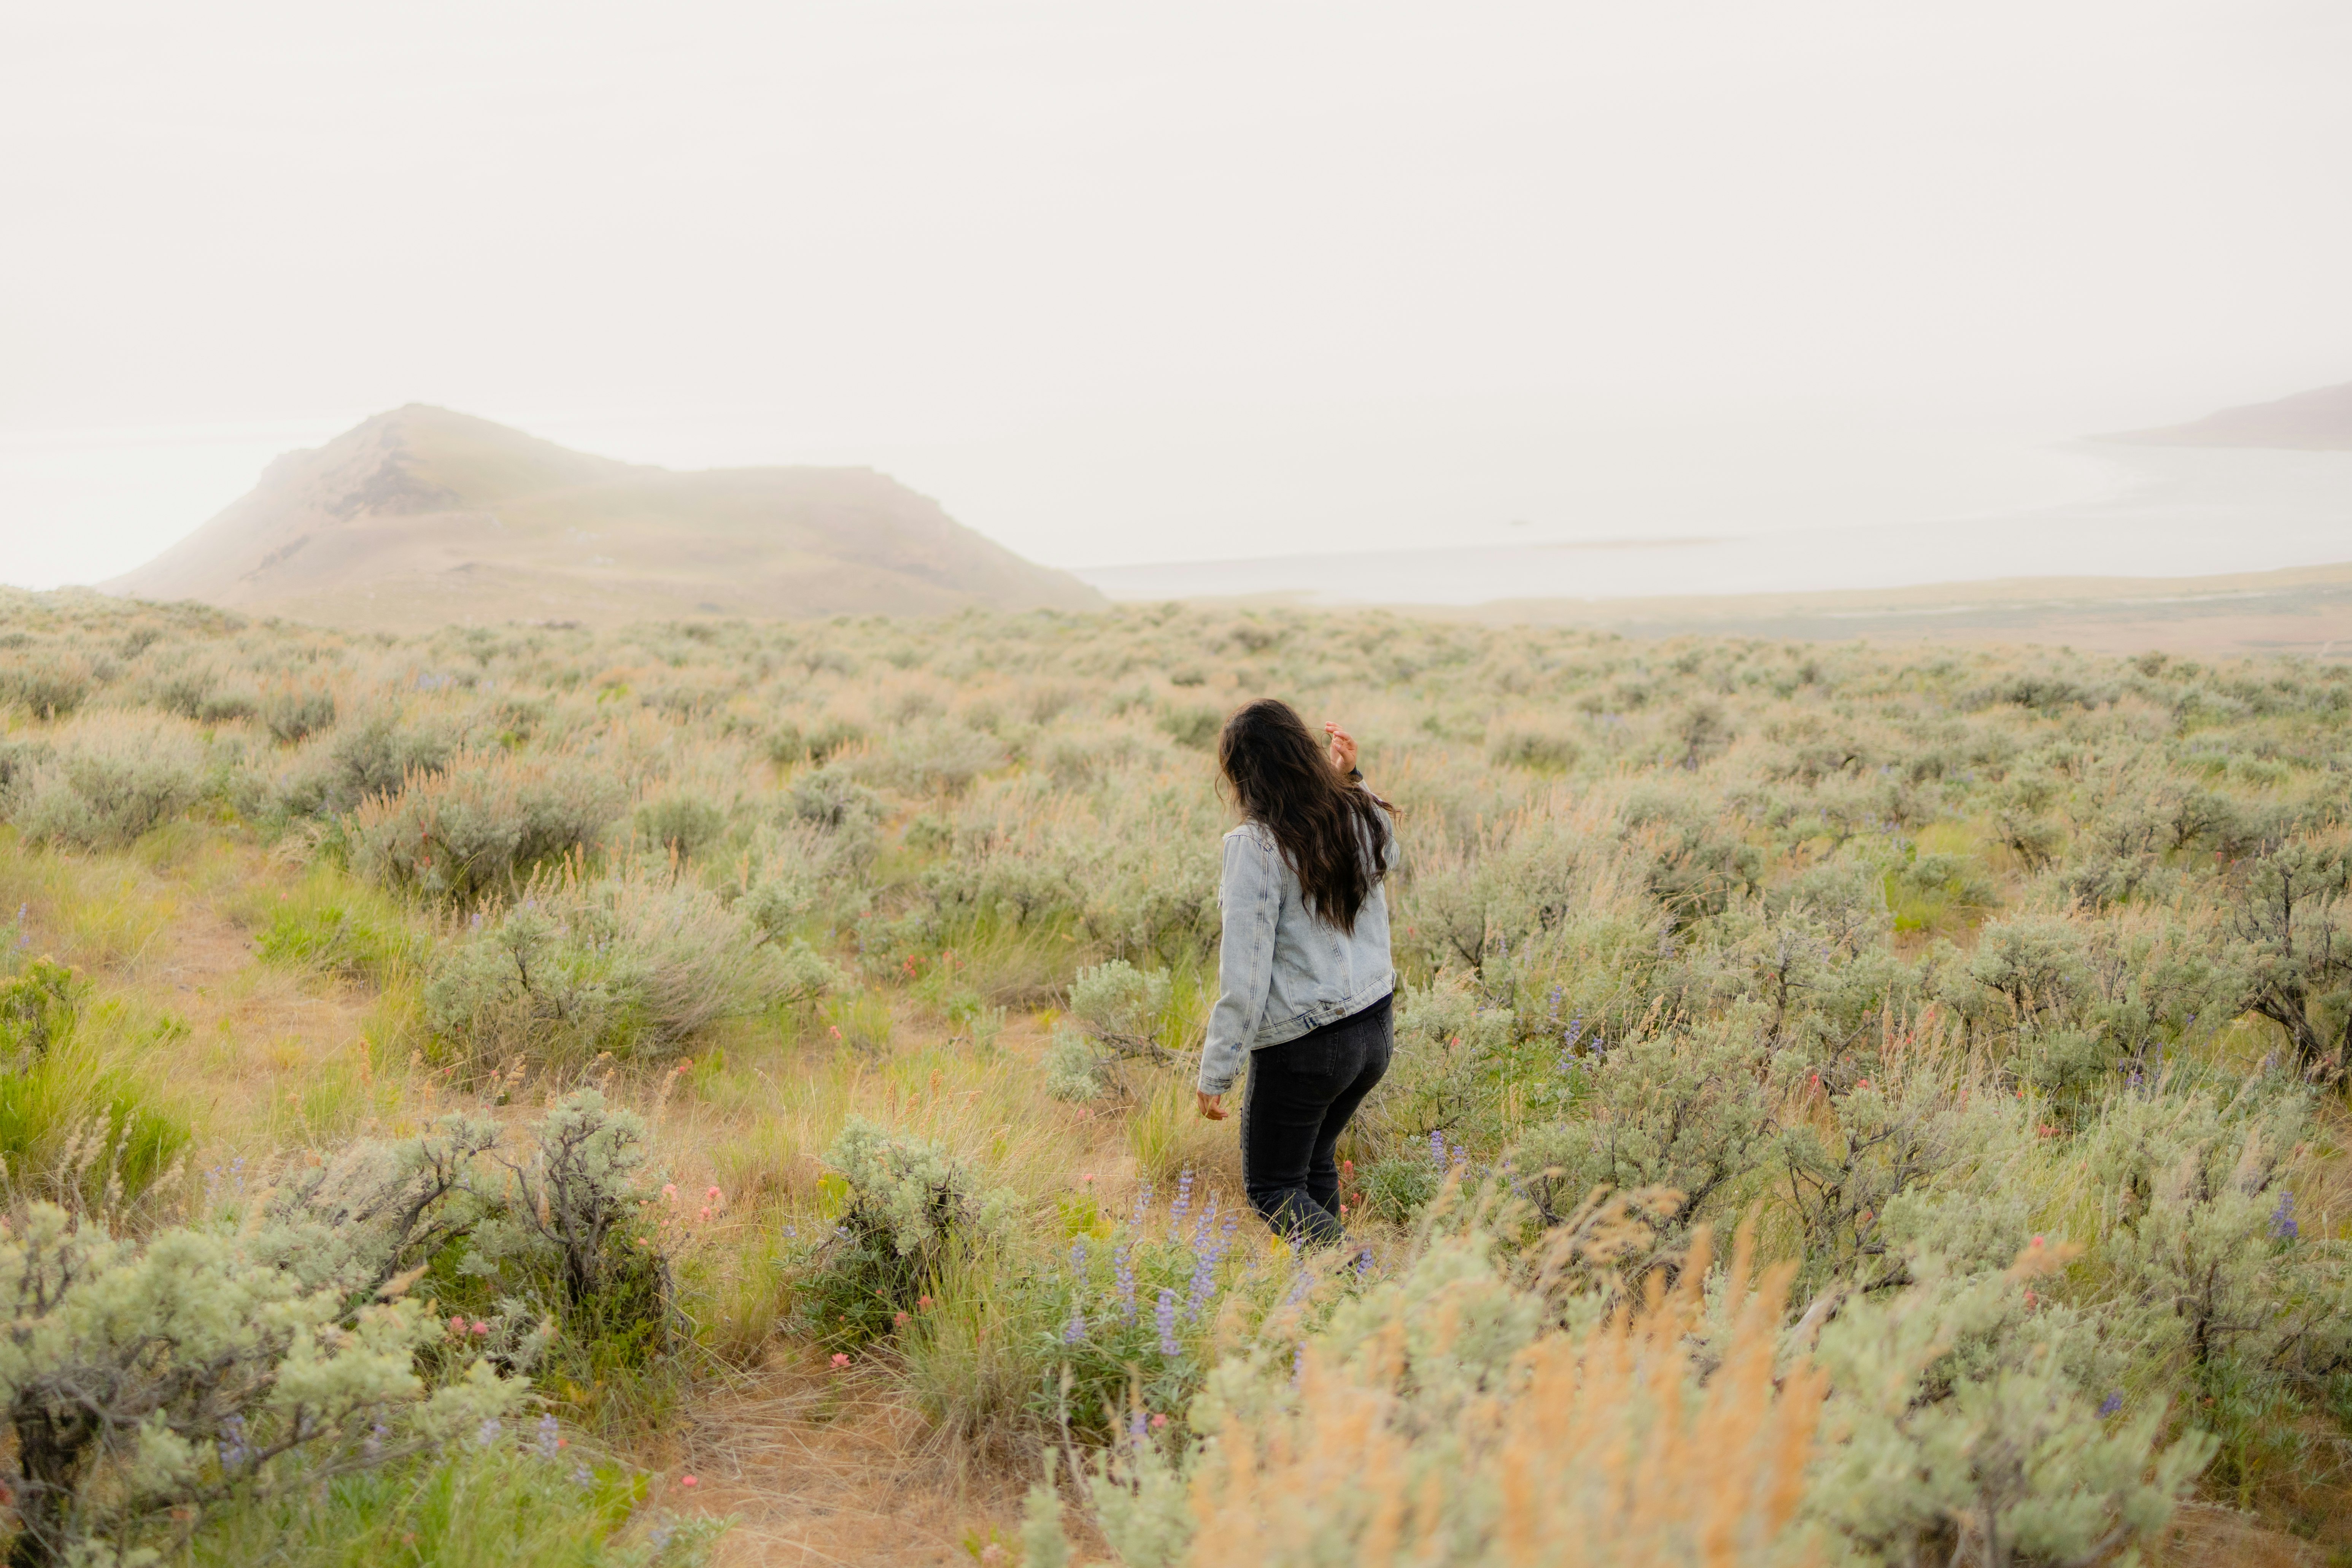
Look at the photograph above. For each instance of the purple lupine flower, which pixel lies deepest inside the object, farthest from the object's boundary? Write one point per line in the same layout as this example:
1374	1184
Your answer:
1166	1319
2111	1404
1076	1328
1122	1263
488	1432
1136	1428
1077	1257
233	1450
1184	1204
1143	1201
1298	1362
1205	1281
1437	1147
583	1477
2283	1226
547	1440
1363	1263
373	1446
1551	1012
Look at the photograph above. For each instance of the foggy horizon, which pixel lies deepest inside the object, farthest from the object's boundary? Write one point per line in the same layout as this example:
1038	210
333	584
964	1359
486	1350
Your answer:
1126	288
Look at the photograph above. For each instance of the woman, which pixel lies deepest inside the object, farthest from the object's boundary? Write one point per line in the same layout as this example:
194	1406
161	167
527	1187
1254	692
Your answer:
1305	974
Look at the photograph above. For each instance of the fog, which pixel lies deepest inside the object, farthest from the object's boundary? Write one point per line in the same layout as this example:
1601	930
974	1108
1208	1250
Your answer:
1123	285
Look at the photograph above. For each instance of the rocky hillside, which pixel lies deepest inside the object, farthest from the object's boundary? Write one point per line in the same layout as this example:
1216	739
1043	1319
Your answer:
421	517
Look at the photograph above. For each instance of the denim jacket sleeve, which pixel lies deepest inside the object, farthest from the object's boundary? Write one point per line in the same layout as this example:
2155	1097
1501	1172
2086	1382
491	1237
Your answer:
1251	892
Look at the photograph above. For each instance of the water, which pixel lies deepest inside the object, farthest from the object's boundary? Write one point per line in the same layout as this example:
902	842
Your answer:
2158	512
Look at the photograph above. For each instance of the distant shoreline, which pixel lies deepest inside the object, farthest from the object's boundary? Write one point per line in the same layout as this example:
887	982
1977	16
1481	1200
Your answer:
2305	610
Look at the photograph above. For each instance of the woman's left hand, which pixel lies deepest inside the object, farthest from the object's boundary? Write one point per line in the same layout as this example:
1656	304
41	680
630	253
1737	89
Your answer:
1343	747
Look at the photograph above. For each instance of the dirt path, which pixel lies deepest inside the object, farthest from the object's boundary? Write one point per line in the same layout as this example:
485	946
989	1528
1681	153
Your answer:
819	1468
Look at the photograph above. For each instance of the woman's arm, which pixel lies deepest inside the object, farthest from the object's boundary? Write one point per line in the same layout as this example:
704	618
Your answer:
1251	892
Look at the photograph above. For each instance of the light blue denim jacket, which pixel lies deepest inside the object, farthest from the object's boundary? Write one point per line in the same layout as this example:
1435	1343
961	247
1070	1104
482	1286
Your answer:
1282	971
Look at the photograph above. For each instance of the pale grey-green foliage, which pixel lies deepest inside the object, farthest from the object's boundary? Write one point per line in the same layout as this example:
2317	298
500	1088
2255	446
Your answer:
481	823
1671	1110
2006	1458
376	753
1130	861
567	1210
910	1193
371	1209
107	789
1073	1068
637	963
1042	1544
1120	1011
143	1377
1449	1043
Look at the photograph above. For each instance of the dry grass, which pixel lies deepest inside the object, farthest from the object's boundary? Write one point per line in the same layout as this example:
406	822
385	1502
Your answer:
820	1467
1596	1448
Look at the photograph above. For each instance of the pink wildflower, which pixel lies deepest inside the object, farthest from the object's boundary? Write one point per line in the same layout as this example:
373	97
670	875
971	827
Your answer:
840	1359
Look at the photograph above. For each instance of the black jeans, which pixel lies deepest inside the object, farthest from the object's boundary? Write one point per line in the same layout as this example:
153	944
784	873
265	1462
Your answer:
1300	1095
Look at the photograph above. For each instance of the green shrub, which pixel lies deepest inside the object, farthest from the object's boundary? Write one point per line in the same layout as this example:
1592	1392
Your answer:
295	714
47	686
481	824
1122	1012
906	1203
1538	750
38	1009
144	1378
1191	726
375	756
110	788
635	965
686	824
576	1232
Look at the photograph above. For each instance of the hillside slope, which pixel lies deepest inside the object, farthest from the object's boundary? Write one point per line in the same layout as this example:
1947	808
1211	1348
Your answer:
421	517
2318	421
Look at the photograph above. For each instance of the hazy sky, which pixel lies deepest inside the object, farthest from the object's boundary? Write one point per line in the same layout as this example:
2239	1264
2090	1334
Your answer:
1125	283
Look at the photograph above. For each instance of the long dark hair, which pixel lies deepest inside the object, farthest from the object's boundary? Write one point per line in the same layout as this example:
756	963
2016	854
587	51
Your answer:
1328	829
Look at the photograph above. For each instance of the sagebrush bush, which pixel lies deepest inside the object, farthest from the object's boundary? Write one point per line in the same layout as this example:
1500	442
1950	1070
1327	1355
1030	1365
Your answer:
907	1202
143	1379
633	964
109	785
480	826
49	686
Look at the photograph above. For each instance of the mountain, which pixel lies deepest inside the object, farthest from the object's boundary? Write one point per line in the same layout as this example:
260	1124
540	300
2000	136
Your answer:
421	517
2317	421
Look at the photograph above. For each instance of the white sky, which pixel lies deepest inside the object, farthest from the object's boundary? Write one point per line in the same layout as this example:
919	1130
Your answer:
1120	282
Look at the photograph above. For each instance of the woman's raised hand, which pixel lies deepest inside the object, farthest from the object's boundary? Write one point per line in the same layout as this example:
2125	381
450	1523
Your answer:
1343	747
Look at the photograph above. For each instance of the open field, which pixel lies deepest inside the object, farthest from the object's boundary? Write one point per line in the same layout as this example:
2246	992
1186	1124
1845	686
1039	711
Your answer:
1854	1104
2305	610
2301	610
